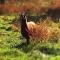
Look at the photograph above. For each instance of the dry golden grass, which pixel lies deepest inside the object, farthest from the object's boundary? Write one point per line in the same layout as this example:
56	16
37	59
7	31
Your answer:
43	31
39	32
16	25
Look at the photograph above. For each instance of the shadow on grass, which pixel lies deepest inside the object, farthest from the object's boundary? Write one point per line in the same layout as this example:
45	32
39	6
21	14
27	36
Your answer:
46	50
50	51
25	48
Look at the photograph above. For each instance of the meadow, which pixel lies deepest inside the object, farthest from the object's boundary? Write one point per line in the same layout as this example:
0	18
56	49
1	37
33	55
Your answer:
11	41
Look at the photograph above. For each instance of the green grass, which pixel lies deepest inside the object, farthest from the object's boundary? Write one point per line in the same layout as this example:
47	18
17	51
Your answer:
11	49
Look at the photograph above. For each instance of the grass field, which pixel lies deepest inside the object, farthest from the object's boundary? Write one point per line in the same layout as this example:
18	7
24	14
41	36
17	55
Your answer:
11	41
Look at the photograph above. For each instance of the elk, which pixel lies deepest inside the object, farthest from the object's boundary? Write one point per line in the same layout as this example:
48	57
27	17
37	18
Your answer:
24	27
32	30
